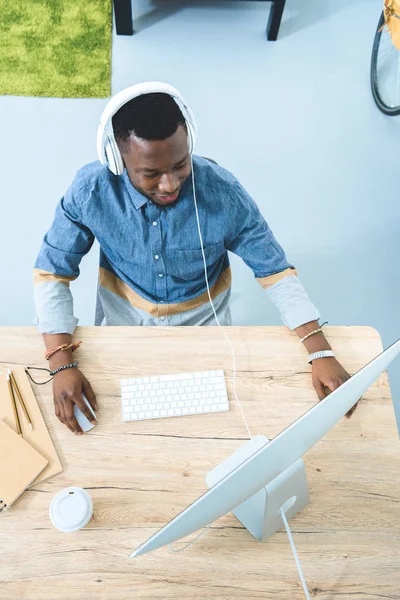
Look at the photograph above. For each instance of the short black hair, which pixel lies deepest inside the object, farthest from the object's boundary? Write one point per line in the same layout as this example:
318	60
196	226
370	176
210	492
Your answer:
154	116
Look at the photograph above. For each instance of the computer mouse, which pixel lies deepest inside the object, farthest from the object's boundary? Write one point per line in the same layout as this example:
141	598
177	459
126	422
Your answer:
80	417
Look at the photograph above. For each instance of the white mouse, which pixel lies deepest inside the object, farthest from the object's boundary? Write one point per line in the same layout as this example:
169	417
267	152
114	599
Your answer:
80	417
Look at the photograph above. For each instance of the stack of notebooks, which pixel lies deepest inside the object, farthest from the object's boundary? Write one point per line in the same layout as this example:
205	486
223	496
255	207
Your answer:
27	452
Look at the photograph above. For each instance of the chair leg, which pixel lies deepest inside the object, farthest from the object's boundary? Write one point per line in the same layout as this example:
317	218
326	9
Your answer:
123	17
274	20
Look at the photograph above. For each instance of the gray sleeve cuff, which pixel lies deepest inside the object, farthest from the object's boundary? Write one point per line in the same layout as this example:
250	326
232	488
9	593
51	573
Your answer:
292	302
54	308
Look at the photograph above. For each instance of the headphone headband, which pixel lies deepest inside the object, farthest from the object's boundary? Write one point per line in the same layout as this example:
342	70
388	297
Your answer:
107	149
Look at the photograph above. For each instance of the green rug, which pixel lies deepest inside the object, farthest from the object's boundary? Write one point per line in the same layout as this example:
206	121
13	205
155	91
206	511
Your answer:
59	48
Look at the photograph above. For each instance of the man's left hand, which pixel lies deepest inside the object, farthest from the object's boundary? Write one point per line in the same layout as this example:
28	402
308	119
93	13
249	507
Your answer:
327	375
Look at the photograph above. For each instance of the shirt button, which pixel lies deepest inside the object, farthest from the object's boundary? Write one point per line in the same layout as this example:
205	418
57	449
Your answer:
162	318
154	223
161	274
156	257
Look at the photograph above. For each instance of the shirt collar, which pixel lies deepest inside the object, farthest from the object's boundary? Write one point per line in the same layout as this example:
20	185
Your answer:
137	198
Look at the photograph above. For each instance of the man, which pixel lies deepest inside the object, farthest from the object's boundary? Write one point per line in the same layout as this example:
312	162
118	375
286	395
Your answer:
151	263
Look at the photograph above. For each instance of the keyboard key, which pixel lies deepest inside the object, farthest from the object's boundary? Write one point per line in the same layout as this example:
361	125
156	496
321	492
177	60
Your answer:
179	377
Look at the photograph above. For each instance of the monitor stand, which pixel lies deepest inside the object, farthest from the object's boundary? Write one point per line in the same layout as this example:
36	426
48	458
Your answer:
260	513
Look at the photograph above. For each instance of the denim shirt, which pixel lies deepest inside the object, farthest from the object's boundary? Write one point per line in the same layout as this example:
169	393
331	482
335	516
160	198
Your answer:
150	256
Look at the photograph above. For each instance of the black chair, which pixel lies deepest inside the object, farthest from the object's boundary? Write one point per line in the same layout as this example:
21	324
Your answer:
123	18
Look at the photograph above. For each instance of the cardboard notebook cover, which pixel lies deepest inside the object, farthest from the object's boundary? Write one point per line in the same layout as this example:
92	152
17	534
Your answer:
19	467
39	438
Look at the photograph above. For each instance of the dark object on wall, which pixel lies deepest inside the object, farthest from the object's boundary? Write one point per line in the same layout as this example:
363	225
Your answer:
123	18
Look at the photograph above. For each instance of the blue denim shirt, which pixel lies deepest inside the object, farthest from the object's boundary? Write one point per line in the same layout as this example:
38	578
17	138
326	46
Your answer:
151	255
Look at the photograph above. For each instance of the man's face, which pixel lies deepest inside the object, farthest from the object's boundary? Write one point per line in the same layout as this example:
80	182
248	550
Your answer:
159	168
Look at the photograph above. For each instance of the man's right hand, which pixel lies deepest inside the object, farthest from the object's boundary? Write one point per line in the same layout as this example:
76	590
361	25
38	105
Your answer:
68	386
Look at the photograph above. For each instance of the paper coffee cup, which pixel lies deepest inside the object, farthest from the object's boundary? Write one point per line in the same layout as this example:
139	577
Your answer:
71	509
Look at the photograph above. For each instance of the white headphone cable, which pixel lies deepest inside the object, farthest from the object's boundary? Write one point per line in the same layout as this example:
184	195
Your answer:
288	531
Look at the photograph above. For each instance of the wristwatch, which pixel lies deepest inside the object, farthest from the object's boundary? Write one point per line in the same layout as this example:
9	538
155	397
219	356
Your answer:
320	354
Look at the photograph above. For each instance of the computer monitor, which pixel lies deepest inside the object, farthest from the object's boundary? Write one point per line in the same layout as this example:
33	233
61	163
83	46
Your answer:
273	469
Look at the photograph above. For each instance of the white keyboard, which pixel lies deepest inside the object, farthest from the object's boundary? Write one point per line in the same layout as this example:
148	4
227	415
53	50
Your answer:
173	395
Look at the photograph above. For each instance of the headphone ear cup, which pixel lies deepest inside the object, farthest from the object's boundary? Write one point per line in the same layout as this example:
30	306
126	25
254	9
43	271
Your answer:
114	158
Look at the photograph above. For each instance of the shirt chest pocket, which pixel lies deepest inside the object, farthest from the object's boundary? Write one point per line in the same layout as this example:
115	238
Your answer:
189	264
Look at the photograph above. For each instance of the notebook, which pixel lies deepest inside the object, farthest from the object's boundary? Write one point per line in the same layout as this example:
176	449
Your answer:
19	466
39	438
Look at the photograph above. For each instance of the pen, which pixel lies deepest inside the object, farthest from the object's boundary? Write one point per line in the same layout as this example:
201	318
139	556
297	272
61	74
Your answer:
15	385
19	431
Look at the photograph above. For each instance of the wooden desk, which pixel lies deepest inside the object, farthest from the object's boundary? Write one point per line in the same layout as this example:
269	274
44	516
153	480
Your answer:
142	474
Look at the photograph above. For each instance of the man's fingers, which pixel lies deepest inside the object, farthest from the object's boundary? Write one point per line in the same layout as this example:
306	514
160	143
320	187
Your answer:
61	415
70	417
348	414
89	393
319	388
333	385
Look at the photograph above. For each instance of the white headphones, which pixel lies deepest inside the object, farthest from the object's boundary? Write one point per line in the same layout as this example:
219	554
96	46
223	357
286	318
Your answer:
107	149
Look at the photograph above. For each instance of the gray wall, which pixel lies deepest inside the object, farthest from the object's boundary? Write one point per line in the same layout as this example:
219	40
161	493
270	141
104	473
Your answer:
294	121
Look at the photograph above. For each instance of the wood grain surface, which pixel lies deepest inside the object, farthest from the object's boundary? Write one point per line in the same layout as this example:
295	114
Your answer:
141	474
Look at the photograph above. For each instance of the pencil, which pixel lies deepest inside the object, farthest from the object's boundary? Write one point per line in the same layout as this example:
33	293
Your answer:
14	383
19	431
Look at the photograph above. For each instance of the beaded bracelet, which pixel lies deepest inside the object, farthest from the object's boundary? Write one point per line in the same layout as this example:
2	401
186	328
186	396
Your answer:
52	373
70	366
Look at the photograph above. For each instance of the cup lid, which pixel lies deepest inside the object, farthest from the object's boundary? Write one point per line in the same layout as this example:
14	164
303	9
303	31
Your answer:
71	509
